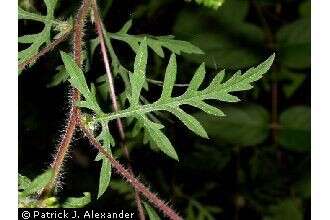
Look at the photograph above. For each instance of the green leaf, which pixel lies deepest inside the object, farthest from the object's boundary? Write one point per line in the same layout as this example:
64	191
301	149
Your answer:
26	5
23	182
105	173
156	43
126	27
42	38
78	80
157	137
295	131
244	126
189	121
50	202
294	43
151	212
197	79
218	89
60	77
138	78
105	176
39	182
77	202
105	6
22	14
169	81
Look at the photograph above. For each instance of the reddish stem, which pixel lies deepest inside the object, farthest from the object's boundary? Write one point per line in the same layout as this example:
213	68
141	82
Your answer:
74	115
74	120
115	106
137	185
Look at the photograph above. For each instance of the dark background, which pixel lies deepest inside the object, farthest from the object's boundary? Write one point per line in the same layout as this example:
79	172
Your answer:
256	164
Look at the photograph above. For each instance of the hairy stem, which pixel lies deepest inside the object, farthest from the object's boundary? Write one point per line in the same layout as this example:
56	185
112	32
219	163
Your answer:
74	115
74	121
99	29
43	51
137	185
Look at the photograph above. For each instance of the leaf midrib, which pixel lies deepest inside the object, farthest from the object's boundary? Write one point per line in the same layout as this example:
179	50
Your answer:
41	18
158	105
175	101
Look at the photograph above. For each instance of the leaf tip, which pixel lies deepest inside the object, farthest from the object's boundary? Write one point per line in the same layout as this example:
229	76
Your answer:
272	57
174	156
62	53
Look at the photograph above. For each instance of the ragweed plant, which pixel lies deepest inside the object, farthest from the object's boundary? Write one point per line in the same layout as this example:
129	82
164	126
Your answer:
129	108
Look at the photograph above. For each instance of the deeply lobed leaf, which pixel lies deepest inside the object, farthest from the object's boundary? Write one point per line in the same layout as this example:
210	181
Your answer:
219	89
156	43
77	79
42	38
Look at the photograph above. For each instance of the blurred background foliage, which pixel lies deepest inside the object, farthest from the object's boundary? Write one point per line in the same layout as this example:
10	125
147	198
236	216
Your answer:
256	164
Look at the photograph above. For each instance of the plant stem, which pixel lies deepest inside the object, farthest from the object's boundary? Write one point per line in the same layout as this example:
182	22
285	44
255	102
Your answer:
74	115
271	44
74	121
107	67
137	185
99	29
